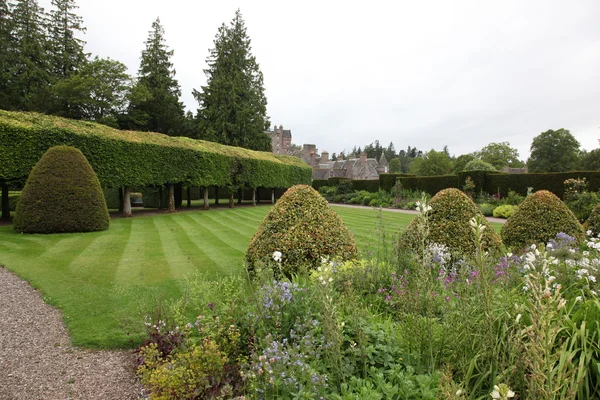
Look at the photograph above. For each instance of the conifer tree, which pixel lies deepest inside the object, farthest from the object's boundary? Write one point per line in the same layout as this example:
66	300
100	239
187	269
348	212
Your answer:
66	49
233	105
154	103
7	47
29	72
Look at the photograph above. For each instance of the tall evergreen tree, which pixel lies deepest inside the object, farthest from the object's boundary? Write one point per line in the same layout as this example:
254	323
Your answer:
7	47
154	103
66	49
233	105
29	73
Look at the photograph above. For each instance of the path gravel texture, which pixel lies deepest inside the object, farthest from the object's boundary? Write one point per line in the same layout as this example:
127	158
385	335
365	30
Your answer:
38	361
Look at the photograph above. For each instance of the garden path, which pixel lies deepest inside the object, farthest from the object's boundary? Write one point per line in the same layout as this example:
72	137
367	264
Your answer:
38	361
491	219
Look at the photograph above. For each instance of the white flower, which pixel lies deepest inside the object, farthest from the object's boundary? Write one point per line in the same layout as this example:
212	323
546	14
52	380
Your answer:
277	256
459	392
578	298
518	318
592	278
533	247
496	393
589	232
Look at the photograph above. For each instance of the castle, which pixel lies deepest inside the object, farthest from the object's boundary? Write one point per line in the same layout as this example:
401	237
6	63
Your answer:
323	168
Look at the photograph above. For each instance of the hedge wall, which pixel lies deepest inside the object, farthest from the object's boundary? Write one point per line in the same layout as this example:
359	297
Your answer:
127	158
429	184
551	181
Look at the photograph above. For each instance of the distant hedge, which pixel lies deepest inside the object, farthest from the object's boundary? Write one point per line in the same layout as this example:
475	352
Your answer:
140	159
429	184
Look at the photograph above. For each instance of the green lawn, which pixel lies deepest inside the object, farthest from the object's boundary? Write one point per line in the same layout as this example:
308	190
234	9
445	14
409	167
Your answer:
104	282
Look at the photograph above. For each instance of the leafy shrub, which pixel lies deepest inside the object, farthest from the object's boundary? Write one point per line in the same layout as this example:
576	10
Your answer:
539	218
582	204
13	200
487	209
573	187
593	222
62	194
304	228
479	165
513	198
448	220
504	211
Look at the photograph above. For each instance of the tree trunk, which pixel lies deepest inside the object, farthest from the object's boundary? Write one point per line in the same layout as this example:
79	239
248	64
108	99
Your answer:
161	203
206	206
171	208
272	196
253	196
240	195
121	200
189	196
231	202
216	195
126	202
5	205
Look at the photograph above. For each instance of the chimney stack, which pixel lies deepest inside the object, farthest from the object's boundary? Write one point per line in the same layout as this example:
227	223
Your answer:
324	156
363	158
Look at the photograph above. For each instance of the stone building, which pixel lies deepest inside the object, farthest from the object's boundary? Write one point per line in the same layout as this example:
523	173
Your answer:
351	168
281	139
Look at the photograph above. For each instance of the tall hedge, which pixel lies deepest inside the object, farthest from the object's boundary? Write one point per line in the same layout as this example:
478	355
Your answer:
62	194
428	184
140	159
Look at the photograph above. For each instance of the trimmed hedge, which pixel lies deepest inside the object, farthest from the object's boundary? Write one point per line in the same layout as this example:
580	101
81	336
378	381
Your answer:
539	218
550	181
304	228
451	211
140	159
62	194
428	184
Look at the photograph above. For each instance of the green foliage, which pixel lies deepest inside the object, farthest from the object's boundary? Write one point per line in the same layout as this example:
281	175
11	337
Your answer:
505	211
62	194
500	155
140	159
593	221
554	151
395	165
487	209
427	184
478	165
66	49
97	91
590	161
432	163
13	200
159	109
551	181
304	228
539	218
461	161
448	224
233	105
582	204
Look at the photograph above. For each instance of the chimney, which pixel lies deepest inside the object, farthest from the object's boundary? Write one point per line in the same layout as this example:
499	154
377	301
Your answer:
363	158
324	156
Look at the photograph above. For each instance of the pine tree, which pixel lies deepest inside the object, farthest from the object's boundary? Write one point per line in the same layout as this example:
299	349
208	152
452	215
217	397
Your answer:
7	47
155	104
29	72
233	105
66	49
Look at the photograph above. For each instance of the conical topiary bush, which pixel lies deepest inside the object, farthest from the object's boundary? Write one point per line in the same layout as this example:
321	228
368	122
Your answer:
448	220
539	218
62	194
304	228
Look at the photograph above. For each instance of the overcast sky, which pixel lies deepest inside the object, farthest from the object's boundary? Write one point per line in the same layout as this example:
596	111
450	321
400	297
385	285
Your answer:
418	73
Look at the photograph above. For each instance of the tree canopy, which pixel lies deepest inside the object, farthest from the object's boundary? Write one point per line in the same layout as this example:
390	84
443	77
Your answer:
233	105
554	151
500	155
432	163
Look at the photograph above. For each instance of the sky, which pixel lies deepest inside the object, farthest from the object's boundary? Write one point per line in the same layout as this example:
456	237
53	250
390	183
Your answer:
416	73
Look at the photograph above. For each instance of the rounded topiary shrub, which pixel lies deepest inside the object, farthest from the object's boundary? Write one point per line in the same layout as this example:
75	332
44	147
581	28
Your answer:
62	194
539	218
448	222
593	221
304	228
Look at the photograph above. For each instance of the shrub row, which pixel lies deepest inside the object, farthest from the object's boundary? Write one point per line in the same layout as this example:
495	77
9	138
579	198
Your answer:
140	159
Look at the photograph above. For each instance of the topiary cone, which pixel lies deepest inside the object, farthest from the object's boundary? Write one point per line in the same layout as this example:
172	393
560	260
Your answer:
539	218
451	211
62	194
304	228
593	221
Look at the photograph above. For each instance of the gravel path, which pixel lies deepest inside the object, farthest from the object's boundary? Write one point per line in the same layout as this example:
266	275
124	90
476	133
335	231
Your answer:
38	361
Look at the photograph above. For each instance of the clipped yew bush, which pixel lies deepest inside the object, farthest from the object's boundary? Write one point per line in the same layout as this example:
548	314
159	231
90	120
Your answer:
304	228
539	218
448	221
593	221
62	194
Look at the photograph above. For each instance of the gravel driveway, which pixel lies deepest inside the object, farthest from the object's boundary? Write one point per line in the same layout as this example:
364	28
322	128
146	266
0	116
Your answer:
37	360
